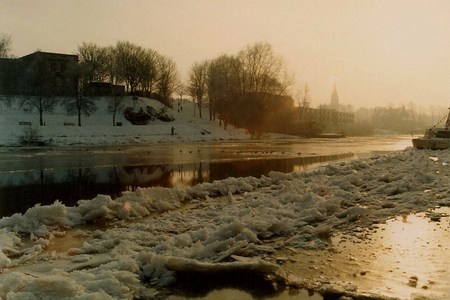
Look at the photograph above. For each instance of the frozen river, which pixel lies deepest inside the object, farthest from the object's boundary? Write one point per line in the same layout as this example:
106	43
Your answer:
43	175
364	229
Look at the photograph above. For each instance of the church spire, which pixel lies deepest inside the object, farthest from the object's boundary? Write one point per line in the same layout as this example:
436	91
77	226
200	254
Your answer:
334	98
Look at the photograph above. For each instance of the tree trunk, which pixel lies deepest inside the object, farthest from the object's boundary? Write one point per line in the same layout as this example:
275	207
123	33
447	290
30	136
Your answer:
40	107
79	114
41	118
199	104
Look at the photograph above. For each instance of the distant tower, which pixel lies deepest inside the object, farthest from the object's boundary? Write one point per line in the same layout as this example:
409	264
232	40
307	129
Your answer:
306	98
334	98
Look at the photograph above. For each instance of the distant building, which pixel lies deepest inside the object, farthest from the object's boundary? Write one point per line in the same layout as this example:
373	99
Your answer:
334	103
39	73
328	117
9	75
97	89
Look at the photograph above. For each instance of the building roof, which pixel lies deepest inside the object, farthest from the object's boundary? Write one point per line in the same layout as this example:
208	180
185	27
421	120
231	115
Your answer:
73	56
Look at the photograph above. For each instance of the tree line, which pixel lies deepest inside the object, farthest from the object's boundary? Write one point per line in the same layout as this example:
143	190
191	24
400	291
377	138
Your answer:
142	70
243	89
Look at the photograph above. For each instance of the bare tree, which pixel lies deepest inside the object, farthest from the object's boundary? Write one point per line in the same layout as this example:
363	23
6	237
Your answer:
5	46
91	68
112	74
261	71
115	103
129	58
38	87
80	105
149	71
169	79
181	90
6	76
112	70
222	82
198	79
94	60
7	101
243	89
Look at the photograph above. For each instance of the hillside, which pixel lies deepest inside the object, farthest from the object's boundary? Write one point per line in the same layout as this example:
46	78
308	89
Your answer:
97	129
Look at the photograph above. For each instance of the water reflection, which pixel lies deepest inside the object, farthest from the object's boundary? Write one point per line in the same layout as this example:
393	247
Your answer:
233	284
405	258
415	255
21	190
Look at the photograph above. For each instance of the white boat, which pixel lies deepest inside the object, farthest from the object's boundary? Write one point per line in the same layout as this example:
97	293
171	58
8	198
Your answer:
435	138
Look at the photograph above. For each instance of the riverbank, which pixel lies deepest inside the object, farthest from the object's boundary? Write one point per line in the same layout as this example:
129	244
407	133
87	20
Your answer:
97	129
140	243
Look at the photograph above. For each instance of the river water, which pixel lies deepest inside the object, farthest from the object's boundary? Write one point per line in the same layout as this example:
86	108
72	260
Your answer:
42	175
378	265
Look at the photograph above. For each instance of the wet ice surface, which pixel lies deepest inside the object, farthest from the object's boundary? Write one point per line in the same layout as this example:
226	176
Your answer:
405	258
320	230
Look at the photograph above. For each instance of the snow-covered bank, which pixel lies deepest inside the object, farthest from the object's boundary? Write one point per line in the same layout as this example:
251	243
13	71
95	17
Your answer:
146	236
60	128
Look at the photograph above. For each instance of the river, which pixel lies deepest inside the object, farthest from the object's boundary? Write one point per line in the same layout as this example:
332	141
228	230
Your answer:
42	175
403	257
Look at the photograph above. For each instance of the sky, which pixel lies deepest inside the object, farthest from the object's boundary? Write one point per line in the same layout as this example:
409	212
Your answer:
377	52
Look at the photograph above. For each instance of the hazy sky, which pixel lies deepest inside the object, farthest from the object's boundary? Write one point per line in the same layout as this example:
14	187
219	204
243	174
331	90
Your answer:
379	52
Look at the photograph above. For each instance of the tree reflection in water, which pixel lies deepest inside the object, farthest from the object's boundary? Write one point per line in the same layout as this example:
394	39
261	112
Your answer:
22	190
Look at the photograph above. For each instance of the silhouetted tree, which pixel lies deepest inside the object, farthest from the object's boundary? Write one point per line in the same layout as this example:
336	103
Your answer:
115	103
93	60
113	76
261	71
112	73
168	80
80	104
198	79
241	88
181	90
149	71
38	87
5	45
91	67
129	60
222	82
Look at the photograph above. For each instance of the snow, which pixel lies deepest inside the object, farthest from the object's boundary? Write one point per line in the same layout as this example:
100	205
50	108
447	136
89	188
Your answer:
125	246
97	128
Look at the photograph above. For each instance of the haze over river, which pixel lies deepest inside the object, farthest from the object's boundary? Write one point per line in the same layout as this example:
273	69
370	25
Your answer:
43	175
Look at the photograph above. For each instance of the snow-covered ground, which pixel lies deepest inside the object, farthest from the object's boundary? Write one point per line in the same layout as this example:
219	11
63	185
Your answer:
131	246
97	128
